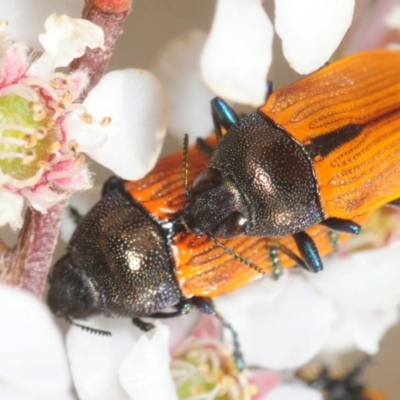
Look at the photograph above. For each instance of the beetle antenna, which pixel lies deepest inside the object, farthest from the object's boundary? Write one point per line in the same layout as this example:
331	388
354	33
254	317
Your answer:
272	244
88	328
238	256
186	166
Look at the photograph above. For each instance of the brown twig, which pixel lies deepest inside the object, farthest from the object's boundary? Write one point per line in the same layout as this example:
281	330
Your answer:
28	263
110	15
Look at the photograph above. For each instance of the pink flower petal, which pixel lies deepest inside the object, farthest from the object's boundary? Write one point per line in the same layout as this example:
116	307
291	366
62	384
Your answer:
238	51
311	30
265	381
177	66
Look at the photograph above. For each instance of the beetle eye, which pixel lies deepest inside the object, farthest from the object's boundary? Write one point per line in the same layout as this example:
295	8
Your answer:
208	179
232	226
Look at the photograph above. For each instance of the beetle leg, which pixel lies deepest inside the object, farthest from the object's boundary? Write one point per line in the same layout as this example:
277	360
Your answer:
205	305
205	147
333	239
309	251
342	225
269	89
182	308
112	184
75	214
142	325
223	116
276	265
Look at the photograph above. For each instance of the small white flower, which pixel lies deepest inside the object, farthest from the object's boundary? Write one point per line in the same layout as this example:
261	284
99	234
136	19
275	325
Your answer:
177	66
45	127
238	51
25	18
311	31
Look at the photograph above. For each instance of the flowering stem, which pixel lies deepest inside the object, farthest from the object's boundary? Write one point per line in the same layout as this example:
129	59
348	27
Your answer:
110	15
27	264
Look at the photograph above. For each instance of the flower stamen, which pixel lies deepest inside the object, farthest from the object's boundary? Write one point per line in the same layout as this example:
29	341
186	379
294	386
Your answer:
105	121
54	148
86	118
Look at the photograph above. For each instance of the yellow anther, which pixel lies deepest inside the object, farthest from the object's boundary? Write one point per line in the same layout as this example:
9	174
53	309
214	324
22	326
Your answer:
44	164
73	145
79	160
68	97
29	157
31	140
86	118
54	147
41	133
105	121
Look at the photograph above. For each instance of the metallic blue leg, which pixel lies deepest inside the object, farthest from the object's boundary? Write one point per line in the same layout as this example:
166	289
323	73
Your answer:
308	251
342	225
223	116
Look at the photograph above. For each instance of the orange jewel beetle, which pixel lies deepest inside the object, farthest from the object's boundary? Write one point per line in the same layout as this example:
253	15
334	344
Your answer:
131	257
323	150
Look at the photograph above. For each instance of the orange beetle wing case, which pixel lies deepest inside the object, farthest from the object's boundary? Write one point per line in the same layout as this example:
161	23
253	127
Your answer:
359	97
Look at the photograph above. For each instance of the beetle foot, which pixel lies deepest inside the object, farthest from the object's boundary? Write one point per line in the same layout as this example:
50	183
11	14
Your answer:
142	325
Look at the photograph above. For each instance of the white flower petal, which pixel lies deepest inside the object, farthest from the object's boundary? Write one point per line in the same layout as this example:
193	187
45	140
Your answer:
136	103
95	359
281	333
367	279
5	38
238	52
145	372
11	206
177	66
392	20
293	392
311	30
26	18
369	328
65	39
33	363
359	329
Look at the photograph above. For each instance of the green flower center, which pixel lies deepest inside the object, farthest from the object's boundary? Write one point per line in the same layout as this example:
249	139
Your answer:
27	132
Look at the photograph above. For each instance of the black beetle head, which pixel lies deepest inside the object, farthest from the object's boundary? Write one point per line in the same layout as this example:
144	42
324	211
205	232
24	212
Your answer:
118	263
216	206
71	294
